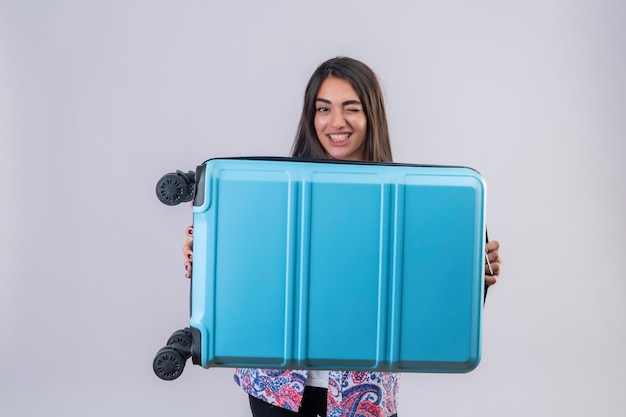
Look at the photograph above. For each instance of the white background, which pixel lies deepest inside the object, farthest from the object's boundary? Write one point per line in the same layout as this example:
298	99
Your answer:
98	99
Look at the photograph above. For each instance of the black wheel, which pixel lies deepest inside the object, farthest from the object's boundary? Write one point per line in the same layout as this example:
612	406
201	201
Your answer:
168	363
182	338
176	188
191	180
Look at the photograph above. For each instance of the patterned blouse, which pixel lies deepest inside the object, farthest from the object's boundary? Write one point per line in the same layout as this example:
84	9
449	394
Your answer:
350	394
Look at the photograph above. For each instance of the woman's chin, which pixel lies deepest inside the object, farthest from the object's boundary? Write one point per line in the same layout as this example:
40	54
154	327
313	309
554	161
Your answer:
344	154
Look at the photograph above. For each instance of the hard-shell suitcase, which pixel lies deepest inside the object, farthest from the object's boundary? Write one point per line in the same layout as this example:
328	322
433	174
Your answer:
310	264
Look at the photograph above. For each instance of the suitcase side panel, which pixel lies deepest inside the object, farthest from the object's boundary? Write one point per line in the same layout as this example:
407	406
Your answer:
440	289
243	297
344	244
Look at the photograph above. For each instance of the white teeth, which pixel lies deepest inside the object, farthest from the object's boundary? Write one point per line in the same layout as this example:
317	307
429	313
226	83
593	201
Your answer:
343	136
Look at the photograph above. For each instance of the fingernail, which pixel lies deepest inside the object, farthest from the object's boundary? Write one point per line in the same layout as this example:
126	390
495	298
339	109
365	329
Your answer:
189	256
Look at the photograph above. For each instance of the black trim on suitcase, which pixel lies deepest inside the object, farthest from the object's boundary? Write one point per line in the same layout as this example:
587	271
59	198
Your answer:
200	178
196	346
333	161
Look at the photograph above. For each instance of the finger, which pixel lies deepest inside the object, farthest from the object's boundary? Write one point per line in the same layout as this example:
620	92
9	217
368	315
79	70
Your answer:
188	248
187	260
189	231
492	271
492	245
494	257
495	267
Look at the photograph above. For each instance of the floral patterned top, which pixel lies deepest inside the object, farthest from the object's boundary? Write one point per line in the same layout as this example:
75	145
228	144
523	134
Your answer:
350	394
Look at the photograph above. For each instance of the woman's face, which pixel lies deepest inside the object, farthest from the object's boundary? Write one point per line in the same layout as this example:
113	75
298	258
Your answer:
340	122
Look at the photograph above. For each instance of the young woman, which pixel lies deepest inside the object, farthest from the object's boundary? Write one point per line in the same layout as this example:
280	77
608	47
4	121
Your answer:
343	117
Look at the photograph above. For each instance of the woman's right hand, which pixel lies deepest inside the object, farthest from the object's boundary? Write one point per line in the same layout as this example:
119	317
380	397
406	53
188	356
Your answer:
187	251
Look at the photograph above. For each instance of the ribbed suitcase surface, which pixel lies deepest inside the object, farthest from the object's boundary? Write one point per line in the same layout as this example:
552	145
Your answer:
354	266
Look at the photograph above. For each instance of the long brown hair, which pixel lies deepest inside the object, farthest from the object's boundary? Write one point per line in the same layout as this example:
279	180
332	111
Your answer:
365	83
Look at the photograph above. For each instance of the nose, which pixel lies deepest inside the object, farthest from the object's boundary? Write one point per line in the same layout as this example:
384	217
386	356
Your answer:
338	119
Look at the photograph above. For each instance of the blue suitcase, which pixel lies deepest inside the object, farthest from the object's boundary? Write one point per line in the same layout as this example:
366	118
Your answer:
309	264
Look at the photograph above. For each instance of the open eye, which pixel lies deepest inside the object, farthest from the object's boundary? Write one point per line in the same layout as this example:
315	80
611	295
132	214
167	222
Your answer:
322	109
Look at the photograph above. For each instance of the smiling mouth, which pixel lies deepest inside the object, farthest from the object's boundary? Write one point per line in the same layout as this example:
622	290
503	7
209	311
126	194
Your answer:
339	137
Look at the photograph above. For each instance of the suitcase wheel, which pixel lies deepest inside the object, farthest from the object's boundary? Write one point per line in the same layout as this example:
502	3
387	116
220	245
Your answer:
168	363
176	188
182	339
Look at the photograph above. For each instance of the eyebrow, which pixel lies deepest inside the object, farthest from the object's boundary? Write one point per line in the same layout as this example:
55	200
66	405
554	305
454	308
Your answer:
345	103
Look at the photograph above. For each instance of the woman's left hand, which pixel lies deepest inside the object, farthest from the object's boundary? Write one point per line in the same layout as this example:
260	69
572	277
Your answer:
493	254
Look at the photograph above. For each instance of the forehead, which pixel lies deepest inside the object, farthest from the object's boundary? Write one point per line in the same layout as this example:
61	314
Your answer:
337	89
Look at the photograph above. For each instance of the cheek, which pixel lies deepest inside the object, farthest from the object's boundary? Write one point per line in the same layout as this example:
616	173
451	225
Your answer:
360	123
317	123
364	125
